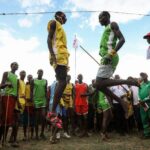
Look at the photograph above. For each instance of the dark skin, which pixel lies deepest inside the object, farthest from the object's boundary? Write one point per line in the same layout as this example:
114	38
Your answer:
102	84
14	68
40	75
14	133
62	21
104	21
83	118
29	78
37	112
4	83
68	81
61	85
69	110
143	78
148	39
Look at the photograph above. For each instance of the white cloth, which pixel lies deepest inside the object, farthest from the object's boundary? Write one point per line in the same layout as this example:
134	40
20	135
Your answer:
148	53
119	90
134	90
105	71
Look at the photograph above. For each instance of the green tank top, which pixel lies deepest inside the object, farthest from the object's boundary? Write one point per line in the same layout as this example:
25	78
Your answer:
144	91
39	95
108	41
11	78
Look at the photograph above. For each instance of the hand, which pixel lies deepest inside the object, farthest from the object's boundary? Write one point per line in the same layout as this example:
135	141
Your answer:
28	100
19	105
9	84
53	59
112	52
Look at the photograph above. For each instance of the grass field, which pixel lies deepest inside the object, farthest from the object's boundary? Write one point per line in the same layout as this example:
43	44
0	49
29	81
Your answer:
117	142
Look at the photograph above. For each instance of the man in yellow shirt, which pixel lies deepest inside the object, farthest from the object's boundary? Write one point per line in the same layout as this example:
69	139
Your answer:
19	109
68	106
28	115
59	54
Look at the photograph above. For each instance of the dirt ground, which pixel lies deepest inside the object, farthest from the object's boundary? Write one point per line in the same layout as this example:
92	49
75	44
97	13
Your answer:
116	142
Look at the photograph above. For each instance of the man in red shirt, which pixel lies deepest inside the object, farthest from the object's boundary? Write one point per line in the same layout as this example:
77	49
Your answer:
81	104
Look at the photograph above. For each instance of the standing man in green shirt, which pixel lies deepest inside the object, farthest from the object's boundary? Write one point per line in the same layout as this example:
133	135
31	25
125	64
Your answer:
9	100
112	40
39	97
144	95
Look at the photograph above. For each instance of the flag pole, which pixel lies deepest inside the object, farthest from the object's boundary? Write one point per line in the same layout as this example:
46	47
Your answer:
90	55
75	45
75	62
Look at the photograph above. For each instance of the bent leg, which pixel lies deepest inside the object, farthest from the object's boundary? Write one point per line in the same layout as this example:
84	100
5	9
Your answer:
103	82
109	93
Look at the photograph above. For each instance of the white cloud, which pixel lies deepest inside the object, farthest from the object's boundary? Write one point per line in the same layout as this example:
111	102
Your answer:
29	3
23	52
34	6
25	22
132	65
128	6
75	14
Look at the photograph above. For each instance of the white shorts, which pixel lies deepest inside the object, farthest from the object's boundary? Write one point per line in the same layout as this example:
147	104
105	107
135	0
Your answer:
105	71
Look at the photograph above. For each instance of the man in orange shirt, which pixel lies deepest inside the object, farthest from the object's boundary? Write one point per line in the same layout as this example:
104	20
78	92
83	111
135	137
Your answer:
81	104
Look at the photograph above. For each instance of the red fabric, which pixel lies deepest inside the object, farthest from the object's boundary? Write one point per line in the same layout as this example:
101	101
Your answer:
54	120
8	106
81	110
81	89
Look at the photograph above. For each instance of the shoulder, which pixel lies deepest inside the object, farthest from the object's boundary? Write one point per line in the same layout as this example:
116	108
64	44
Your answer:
114	25
85	84
51	25
5	73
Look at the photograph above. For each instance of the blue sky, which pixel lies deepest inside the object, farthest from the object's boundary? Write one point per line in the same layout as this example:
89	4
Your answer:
23	37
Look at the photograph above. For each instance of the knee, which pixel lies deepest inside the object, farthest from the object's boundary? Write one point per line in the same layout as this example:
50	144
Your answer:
98	83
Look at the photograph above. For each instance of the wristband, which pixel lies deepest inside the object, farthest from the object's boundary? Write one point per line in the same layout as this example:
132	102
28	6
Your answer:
112	52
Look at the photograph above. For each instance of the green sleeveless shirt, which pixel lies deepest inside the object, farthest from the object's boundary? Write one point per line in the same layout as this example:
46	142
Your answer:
39	95
11	78
108	41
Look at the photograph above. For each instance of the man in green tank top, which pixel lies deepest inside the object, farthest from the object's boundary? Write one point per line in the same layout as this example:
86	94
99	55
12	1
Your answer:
112	40
9	100
39	97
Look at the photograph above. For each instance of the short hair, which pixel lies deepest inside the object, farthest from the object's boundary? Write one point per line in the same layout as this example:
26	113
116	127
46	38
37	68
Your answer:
22	71
104	13
58	13
13	64
29	76
143	74
39	70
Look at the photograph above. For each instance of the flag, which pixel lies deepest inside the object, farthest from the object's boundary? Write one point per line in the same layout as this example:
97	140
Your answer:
75	43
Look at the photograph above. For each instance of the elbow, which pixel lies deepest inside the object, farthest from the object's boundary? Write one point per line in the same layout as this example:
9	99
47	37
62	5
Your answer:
47	41
123	40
